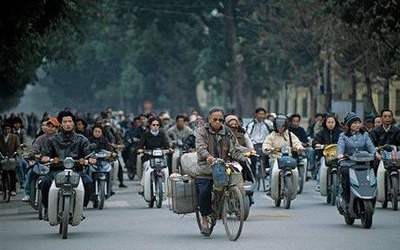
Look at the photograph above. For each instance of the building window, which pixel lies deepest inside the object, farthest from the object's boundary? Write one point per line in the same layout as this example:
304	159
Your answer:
397	112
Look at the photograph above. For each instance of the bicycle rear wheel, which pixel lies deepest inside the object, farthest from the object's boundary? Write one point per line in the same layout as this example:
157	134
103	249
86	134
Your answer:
233	213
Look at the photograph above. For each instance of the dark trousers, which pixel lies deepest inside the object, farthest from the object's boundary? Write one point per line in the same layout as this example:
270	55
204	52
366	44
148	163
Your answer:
204	187
120	174
48	179
13	179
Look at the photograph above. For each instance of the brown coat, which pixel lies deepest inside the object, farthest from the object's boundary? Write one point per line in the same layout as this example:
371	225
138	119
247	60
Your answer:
12	145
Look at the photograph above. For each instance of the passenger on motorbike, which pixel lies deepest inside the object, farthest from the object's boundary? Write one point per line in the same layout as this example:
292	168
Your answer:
328	135
353	139
244	141
151	139
177	133
64	144
101	142
213	140
51	128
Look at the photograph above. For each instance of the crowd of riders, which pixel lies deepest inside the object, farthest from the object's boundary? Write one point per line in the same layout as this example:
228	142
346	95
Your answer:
264	134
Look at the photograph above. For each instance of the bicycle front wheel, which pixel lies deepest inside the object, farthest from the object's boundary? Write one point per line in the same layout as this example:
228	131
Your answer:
233	213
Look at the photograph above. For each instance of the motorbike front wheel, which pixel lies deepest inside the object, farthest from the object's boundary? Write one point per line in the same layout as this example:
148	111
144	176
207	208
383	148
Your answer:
160	192
40	205
65	217
333	188
394	192
301	180
287	191
102	195
366	217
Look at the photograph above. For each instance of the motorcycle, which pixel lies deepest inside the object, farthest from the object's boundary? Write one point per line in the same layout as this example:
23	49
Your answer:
363	189
129	154
388	177
329	173
101	174
66	196
156	177
39	171
284	179
249	188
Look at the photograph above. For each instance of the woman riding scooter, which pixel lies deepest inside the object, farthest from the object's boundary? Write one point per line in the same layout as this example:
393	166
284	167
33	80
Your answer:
352	140
328	135
152	139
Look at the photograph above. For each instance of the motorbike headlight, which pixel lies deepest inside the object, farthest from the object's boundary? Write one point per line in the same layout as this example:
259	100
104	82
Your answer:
285	150
69	163
64	177
157	152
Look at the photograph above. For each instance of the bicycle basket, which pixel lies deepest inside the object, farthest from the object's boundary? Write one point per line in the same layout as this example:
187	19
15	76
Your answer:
8	164
330	152
220	177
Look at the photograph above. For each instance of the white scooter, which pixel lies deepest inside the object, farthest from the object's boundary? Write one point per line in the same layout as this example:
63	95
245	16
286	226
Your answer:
156	177
329	175
66	197
284	179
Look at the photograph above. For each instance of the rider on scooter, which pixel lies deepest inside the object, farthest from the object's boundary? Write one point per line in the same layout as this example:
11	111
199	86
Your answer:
50	129
278	138
151	139
353	139
66	143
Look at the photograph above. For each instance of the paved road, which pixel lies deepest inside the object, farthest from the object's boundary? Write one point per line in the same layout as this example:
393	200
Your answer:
127	223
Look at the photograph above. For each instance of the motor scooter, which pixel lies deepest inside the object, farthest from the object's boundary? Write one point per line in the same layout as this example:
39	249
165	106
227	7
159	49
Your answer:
39	171
156	177
363	189
329	173
101	174
284	179
388	177
66	196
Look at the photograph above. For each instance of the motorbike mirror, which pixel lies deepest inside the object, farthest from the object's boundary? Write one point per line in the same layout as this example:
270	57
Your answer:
387	148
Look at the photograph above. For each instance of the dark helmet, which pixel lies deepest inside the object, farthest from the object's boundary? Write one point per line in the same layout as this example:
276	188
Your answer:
281	121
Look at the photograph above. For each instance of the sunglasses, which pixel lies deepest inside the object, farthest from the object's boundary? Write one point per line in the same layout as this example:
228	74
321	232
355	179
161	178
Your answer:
218	119
155	125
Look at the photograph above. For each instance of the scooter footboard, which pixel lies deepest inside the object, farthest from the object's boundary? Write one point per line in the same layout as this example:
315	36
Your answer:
78	204
295	182
381	182
323	178
52	210
275	190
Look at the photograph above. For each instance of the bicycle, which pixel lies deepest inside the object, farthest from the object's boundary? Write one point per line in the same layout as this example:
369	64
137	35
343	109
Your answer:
8	166
227	201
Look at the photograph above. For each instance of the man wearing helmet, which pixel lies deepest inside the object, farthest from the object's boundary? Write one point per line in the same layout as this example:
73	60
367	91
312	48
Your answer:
278	138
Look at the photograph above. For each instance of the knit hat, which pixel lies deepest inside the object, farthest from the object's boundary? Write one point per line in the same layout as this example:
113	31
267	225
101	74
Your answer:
369	118
350	118
230	118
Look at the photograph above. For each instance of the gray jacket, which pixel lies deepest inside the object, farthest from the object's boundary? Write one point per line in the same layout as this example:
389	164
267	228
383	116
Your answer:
222	144
348	145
